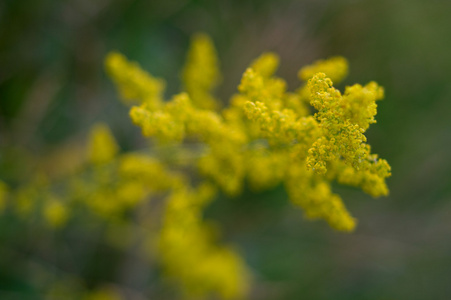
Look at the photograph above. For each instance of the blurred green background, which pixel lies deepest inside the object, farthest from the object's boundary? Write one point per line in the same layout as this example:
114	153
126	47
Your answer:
53	88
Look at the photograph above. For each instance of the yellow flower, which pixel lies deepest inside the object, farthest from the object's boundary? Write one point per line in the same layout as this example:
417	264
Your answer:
266	65
189	255
55	212
133	83
102	145
201	72
267	136
336	68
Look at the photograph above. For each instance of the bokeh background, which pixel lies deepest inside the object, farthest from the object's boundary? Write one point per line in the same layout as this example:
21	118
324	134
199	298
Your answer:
53	88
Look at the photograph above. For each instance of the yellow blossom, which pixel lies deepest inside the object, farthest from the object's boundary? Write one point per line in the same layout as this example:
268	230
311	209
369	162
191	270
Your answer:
336	68
133	83
265	111
359	103
314	195
266	137
266	65
201	72
189	255
102	145
55	212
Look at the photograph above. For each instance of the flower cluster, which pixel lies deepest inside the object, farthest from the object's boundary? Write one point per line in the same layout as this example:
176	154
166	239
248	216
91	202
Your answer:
266	136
